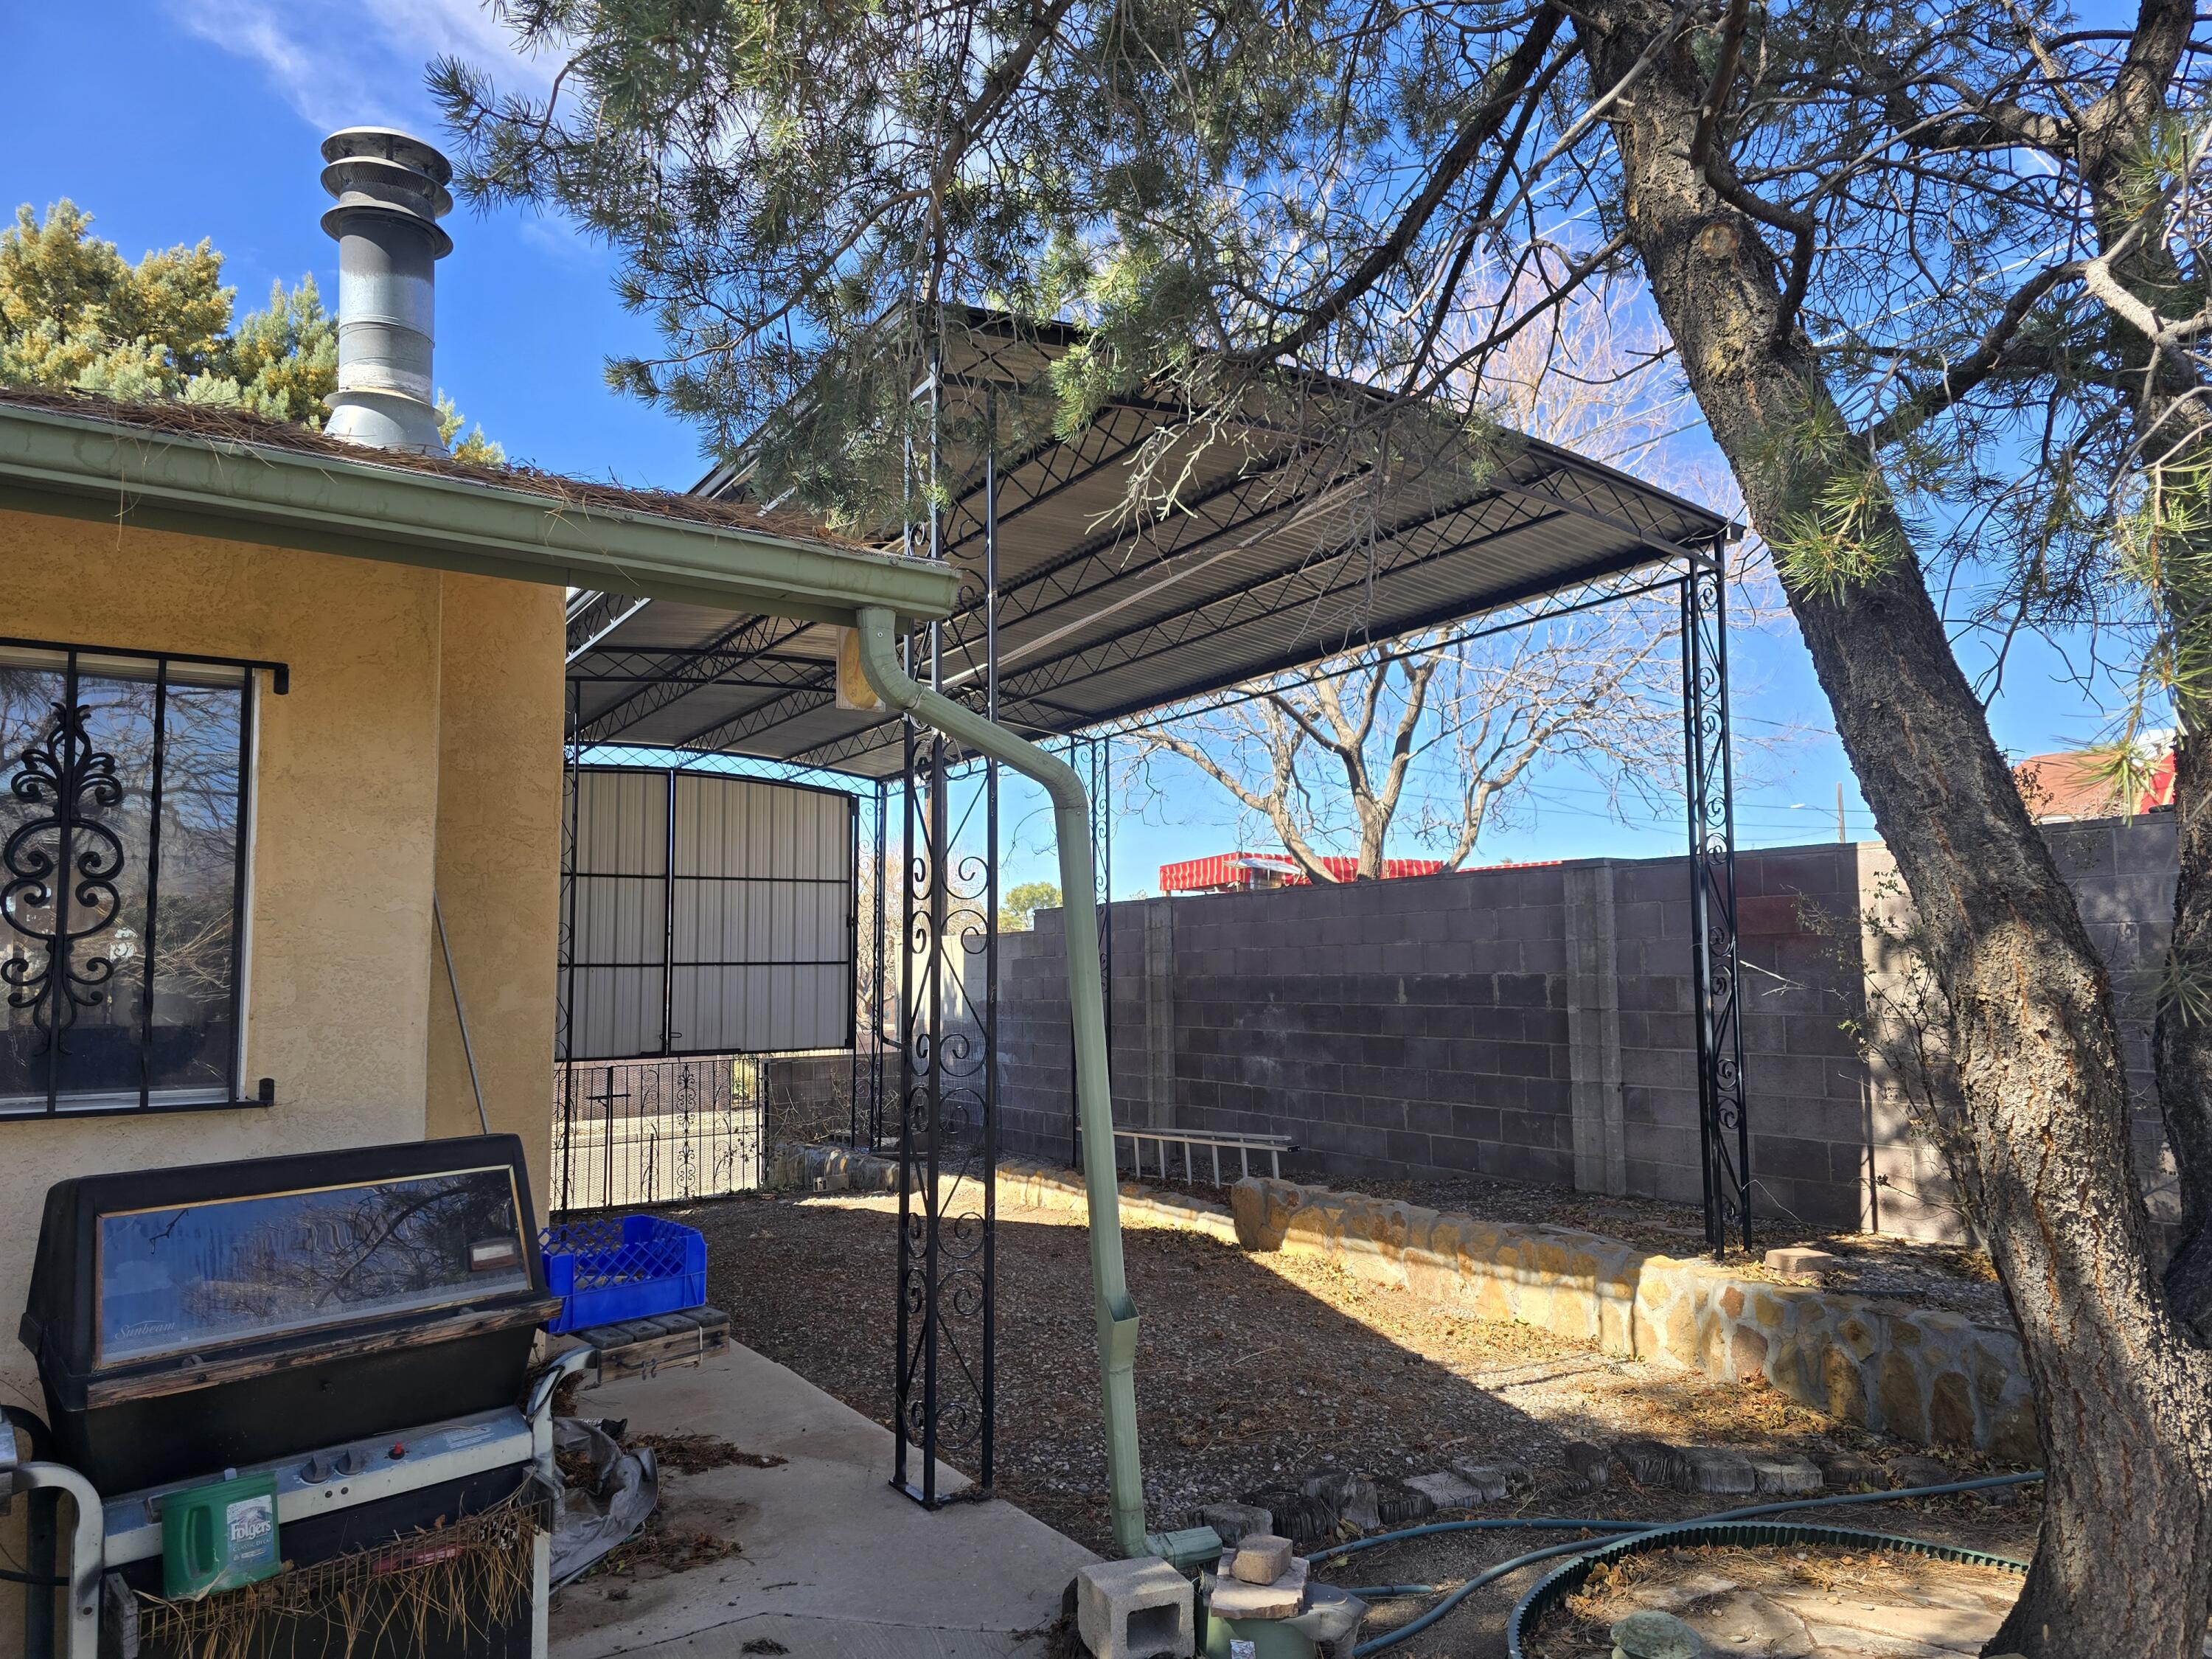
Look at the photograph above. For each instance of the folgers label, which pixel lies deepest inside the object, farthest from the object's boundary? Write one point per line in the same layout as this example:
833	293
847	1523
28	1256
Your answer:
252	1523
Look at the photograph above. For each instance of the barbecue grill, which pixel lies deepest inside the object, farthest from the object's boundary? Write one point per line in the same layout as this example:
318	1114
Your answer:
355	1325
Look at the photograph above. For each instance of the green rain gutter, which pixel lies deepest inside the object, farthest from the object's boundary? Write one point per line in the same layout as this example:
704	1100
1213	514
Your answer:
1086	1006
79	466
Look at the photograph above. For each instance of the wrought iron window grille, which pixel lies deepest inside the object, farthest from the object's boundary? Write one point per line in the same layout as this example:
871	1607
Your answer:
125	790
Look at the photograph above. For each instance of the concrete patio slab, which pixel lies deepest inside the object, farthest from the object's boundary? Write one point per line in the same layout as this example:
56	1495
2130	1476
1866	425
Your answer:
835	1563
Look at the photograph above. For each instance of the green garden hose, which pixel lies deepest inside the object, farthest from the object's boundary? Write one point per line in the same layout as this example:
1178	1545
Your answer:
1626	1537
1556	1585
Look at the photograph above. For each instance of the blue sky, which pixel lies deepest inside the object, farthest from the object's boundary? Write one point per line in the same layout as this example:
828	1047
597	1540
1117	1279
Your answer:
209	116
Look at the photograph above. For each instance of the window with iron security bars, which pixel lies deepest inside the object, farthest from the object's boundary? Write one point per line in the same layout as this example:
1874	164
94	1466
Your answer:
124	791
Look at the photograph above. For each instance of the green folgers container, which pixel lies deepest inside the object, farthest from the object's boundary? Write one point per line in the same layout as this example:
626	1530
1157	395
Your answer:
219	1536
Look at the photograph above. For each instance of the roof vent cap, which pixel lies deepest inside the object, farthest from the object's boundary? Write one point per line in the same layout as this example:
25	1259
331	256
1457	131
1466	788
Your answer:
390	189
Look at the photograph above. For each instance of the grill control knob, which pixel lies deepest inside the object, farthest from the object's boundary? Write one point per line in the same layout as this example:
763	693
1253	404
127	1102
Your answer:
315	1470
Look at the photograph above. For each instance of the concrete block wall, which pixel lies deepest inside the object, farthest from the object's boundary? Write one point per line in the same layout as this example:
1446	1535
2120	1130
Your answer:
2123	872
1035	1057
811	1096
1807	1084
1534	1023
1410	1026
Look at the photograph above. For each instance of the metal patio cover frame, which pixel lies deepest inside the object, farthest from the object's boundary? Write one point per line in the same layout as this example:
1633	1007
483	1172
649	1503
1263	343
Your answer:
1276	555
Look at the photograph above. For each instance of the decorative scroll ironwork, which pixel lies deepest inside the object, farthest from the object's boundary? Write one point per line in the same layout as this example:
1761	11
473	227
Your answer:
1725	1125
95	911
944	1376
659	1131
947	1123
62	867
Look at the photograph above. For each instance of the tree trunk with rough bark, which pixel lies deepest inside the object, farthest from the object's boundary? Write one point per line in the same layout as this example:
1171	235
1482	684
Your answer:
2039	1141
2181	1043
2112	134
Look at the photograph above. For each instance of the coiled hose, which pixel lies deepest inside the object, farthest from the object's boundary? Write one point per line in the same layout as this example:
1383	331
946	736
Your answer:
1624	1536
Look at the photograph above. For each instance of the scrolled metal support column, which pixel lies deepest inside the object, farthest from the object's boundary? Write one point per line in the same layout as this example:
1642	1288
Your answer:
1116	1312
878	998
944	1380
1716	983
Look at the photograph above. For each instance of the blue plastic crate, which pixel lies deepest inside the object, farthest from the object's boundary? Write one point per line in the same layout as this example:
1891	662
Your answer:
628	1266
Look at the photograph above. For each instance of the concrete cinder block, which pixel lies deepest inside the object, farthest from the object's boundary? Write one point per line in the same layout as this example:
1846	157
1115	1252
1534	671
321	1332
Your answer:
1138	1609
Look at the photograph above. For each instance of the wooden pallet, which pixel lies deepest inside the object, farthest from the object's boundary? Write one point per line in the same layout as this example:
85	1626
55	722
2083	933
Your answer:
639	1347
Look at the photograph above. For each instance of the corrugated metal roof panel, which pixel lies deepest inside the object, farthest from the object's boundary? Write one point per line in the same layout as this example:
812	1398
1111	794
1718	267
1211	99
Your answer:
1272	558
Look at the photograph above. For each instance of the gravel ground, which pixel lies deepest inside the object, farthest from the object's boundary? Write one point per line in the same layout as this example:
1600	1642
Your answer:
1954	1277
1255	1371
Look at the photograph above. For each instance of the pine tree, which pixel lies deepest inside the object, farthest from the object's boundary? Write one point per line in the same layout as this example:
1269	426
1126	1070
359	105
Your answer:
1935	272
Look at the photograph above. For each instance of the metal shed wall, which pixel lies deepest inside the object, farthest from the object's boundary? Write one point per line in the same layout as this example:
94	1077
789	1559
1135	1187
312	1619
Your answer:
712	915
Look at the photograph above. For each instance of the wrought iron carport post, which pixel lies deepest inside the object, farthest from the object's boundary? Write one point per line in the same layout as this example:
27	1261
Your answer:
946	1361
1725	1130
564	1013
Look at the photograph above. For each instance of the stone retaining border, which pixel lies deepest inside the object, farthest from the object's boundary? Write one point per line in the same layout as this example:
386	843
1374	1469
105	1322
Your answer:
1928	1378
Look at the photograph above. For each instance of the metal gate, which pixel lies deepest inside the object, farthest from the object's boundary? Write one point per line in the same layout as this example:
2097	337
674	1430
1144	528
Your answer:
638	1132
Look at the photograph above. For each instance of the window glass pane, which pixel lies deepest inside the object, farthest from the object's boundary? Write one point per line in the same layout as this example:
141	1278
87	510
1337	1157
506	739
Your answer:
94	1010
178	1279
195	1005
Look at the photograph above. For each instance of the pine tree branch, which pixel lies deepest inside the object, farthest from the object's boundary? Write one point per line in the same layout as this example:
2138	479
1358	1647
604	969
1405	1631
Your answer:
1511	81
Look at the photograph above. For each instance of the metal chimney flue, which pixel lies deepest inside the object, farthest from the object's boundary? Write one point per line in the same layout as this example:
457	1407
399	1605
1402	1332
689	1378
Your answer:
391	192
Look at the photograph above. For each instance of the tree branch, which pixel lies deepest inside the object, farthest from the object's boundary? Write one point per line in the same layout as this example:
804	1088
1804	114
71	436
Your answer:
1922	404
1513	77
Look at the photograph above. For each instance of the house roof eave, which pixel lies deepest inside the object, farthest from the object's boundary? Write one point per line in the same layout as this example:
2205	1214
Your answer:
77	466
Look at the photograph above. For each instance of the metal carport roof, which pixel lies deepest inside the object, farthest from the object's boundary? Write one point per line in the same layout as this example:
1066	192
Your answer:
1281	548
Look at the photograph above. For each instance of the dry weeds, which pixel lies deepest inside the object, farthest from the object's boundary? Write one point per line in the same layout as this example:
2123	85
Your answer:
688	1454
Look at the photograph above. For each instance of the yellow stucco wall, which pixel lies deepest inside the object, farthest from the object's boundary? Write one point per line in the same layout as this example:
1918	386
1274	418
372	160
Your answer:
419	742
498	859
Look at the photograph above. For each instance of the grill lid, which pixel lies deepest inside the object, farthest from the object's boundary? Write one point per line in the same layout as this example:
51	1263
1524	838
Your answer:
197	1273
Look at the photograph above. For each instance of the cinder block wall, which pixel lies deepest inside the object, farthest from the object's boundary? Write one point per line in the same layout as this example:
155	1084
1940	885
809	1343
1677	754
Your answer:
1409	1026
1534	1023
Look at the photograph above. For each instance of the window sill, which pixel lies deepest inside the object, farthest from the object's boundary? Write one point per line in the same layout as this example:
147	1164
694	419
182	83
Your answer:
106	1106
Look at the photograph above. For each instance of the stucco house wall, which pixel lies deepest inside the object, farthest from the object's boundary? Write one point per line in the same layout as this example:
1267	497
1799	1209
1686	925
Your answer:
419	745
499	859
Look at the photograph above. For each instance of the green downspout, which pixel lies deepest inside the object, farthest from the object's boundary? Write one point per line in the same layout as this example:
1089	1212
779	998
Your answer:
1086	1006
